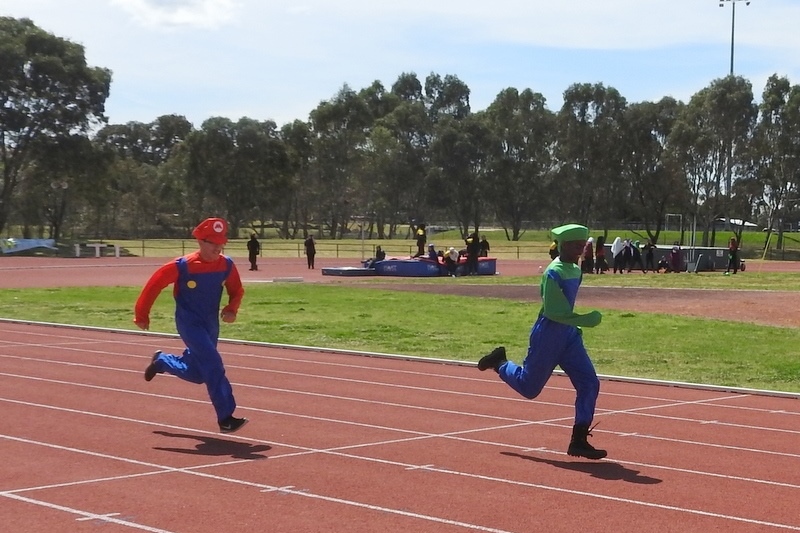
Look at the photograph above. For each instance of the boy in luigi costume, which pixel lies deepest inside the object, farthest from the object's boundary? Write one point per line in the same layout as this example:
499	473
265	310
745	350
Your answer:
555	340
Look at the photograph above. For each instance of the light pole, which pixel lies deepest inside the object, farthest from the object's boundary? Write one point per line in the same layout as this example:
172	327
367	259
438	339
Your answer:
733	22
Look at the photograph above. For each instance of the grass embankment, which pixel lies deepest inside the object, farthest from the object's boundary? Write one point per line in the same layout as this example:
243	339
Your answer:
658	346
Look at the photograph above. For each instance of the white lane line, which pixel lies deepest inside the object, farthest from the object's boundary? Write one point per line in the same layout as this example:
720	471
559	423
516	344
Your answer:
419	467
413	432
84	514
395	429
633	411
709	422
262	488
308	494
101	517
455	435
668	404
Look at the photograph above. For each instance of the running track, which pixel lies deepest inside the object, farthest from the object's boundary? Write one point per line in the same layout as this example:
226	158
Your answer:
351	444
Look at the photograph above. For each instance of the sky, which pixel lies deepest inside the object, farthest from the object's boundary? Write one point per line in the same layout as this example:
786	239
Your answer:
278	59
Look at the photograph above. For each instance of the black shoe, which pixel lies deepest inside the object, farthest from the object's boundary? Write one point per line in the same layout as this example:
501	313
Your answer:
151	370
232	424
580	447
493	360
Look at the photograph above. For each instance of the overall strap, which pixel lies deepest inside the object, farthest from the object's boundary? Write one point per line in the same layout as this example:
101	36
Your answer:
183	267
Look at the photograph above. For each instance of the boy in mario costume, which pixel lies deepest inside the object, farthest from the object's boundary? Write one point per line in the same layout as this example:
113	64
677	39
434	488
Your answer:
556	340
198	279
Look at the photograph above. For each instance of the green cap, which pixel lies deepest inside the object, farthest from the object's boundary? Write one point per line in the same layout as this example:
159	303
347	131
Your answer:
570	232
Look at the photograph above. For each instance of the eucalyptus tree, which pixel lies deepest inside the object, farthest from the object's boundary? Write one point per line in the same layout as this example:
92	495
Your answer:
131	140
460	153
690	148
131	205
733	115
31	198
174	213
340	127
211	161
150	145
234	167
773	158
261	166
410	124
386	168
408	88
374	178
453	180
589	187
66	188
656	182
446	97
708	137
396	160
378	100
46	90
522	161
299	199
70	178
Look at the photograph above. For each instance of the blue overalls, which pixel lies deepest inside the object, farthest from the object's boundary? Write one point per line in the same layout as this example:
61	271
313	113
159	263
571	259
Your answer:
554	344
197	298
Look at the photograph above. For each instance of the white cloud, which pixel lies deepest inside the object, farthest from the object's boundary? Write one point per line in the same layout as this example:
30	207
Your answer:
279	58
166	14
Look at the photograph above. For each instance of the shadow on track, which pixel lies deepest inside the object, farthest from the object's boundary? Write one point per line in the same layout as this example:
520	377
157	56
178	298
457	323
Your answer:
213	446
606	470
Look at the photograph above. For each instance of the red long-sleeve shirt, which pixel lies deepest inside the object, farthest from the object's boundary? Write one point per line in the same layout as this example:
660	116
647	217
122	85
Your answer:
168	274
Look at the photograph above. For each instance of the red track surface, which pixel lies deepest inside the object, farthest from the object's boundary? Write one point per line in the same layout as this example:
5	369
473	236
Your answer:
343	443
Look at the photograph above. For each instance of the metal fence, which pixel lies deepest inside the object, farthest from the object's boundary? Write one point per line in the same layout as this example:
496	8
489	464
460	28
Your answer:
353	249
273	248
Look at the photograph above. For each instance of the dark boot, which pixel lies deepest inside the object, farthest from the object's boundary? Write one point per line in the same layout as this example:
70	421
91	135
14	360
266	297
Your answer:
493	360
580	447
151	370
232	424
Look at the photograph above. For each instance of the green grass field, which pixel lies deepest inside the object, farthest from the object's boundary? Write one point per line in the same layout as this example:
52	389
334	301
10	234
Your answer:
658	346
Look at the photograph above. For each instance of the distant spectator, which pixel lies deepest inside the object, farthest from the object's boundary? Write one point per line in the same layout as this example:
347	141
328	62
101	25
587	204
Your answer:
484	247
587	263
432	255
253	249
422	238
380	255
627	254
733	256
451	261
473	251
553	249
636	257
649	260
600	263
311	250
676	258
618	259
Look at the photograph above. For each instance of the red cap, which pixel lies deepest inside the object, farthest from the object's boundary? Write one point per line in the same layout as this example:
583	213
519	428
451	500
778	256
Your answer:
213	230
